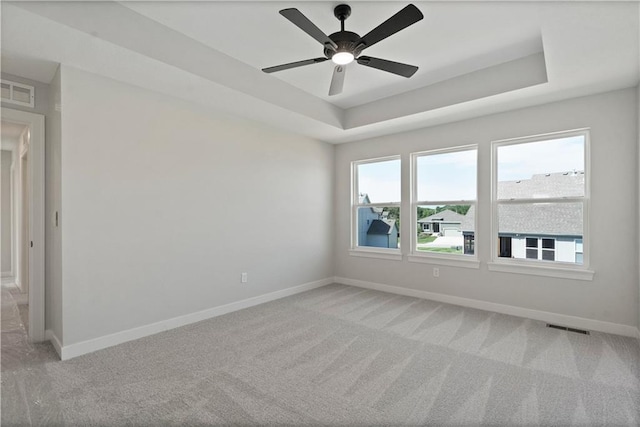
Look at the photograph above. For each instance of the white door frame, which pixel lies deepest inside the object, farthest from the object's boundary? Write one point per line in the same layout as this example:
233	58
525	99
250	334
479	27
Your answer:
35	123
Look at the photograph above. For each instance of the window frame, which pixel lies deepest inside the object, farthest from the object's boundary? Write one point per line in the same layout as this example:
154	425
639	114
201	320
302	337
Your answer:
371	251
542	267
455	260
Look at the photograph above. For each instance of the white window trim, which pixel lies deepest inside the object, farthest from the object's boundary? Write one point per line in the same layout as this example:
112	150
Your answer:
380	253
533	267
540	267
455	260
368	251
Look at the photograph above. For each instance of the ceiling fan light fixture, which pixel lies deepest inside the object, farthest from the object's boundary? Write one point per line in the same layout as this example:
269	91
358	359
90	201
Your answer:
343	47
342	58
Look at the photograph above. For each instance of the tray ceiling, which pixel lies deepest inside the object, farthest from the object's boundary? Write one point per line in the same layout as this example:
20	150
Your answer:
474	57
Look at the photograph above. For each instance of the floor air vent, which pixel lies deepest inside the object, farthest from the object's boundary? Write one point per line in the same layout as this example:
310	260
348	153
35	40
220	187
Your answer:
565	328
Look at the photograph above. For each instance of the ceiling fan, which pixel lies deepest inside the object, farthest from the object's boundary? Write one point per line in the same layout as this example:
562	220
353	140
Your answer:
344	47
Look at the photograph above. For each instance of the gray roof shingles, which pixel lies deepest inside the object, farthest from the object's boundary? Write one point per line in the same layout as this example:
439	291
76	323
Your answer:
560	219
559	184
381	226
444	216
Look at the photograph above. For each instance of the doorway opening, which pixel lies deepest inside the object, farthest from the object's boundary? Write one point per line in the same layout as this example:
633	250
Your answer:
22	224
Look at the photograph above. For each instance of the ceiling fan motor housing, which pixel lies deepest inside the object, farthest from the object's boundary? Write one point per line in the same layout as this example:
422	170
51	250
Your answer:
347	42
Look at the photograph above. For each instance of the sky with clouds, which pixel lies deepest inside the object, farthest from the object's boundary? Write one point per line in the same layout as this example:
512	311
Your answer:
452	176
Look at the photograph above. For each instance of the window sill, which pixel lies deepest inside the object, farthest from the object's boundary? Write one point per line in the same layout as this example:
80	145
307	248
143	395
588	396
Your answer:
459	260
390	255
537	270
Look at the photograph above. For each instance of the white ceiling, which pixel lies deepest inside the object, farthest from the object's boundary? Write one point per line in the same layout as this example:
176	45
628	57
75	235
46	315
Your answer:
260	37
475	57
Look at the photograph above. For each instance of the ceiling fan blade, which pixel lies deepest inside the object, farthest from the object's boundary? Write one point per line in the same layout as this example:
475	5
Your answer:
401	20
302	22
398	68
337	81
294	64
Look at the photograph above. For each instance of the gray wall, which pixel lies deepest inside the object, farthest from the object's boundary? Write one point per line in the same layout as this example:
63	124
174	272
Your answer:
5	203
638	171
53	238
612	296
165	204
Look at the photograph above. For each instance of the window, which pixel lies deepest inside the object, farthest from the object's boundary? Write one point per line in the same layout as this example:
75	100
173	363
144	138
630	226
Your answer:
540	195
540	248
532	248
469	245
443	203
548	249
376	204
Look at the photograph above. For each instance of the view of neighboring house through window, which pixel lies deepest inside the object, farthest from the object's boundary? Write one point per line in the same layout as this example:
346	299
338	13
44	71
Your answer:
376	203
444	194
540	193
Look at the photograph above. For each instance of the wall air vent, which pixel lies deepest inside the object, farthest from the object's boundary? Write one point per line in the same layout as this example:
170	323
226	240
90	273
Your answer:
18	93
565	328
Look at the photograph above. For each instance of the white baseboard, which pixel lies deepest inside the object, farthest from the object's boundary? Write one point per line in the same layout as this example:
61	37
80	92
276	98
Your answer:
84	347
544	316
49	335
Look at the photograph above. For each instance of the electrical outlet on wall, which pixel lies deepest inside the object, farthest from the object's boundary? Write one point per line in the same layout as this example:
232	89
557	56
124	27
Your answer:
244	278
436	272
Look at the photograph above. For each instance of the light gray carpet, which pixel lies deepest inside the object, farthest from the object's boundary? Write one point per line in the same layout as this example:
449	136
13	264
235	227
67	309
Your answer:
340	355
